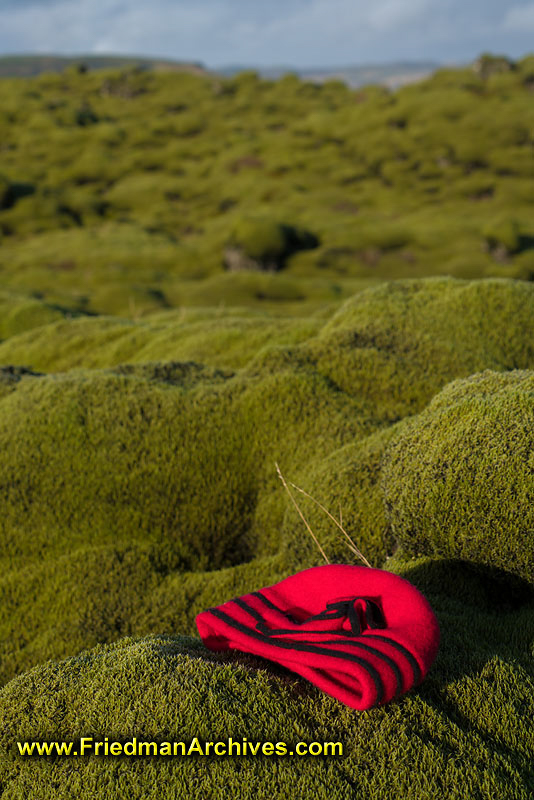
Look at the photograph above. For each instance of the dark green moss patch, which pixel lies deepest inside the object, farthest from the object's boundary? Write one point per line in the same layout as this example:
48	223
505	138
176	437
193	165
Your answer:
265	245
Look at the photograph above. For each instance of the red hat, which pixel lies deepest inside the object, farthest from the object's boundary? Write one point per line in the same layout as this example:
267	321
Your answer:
363	635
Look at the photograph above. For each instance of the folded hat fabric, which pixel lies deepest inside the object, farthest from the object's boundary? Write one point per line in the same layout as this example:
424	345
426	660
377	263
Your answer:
363	635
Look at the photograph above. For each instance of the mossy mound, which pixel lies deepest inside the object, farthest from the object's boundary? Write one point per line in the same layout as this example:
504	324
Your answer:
502	237
467	728
399	343
347	484
59	606
175	456
19	313
458	478
160	479
377	346
264	244
224	338
10	375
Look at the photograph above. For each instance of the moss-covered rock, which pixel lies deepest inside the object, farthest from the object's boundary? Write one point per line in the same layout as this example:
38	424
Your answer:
502	237
458	478
10	375
117	483
224	338
264	244
468	725
376	347
19	314
398	344
488	64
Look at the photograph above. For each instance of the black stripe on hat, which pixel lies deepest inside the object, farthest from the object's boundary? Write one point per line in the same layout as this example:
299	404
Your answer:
344	608
268	602
326	651
263	627
305	648
416	669
417	674
364	646
373	614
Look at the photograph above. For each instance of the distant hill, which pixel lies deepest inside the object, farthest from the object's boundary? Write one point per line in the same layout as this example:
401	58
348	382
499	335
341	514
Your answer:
392	75
26	66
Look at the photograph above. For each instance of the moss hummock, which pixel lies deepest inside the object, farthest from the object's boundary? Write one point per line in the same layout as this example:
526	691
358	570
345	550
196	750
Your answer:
467	728
139	488
458	479
159	476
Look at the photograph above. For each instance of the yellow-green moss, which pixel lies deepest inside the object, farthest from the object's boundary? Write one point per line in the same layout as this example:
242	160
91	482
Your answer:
458	477
467	728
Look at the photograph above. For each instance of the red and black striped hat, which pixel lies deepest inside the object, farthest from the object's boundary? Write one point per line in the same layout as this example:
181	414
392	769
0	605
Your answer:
363	635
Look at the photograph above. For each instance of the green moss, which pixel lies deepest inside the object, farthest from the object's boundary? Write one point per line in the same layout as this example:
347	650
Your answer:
488	65
150	471
458	478
55	608
19	314
10	375
267	242
503	235
468	725
222	337
376	347
174	457
173	166
78	407
379	345
347	484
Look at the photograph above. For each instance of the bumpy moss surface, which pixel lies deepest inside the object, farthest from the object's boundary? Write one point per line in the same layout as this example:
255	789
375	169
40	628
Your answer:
135	495
466	729
458	480
138	488
138	483
19	313
138	180
379	343
266	243
152	493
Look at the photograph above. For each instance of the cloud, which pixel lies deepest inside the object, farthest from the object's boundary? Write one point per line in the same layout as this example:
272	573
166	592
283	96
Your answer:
292	32
520	19
162	28
389	14
328	30
112	26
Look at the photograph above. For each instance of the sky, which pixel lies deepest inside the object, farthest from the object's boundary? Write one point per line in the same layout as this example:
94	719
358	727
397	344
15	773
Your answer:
300	33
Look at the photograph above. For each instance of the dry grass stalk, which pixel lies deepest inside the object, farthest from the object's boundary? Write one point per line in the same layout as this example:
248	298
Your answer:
286	487
351	544
339	524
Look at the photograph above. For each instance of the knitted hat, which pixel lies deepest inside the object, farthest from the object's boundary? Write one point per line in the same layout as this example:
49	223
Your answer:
363	635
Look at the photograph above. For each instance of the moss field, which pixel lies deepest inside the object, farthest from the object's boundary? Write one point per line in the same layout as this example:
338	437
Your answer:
377	341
